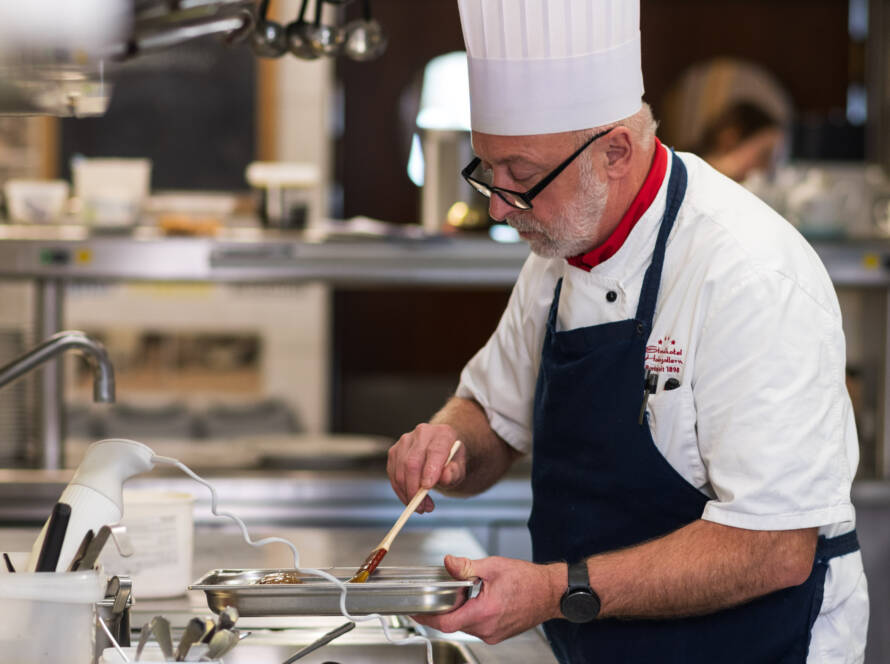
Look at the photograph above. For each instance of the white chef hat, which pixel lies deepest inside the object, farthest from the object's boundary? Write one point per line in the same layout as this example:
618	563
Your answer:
546	66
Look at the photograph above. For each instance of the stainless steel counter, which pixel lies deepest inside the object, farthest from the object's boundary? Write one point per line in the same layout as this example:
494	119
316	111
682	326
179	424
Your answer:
249	255
320	547
253	255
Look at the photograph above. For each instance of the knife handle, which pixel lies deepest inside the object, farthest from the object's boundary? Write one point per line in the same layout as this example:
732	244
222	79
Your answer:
55	536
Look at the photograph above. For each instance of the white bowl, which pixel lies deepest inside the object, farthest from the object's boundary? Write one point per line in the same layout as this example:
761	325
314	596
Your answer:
36	201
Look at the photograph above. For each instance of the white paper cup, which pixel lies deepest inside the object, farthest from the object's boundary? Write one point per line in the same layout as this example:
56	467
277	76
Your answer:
161	526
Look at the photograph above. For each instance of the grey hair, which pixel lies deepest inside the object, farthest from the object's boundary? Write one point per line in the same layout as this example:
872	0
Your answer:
642	125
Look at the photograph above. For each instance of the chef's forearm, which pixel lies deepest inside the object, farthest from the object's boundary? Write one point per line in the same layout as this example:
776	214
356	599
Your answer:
700	568
488	455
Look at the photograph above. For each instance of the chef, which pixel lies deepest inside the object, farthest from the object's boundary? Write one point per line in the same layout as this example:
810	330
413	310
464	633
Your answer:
672	358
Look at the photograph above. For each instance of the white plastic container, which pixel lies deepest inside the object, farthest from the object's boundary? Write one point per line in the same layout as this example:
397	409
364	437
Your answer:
36	201
161	527
48	616
111	191
151	653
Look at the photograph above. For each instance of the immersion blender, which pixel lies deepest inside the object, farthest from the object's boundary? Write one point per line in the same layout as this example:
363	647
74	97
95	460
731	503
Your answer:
95	492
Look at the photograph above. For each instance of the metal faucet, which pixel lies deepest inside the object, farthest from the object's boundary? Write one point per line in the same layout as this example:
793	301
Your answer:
103	379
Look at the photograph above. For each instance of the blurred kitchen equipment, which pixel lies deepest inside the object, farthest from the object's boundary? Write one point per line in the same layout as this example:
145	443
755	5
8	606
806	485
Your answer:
103	372
364	37
322	641
48	616
144	635
225	621
190	213
48	558
52	52
151	653
9	566
95	493
285	191
160	525
114	610
111	192
298	36
160	627
147	422
441	147
267	419
81	551
822	206
191	634
268	40
373	560
222	642
36	201
103	383
93	549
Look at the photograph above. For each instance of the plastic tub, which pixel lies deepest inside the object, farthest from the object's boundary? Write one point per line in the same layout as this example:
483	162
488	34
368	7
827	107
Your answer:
161	526
48	616
151	653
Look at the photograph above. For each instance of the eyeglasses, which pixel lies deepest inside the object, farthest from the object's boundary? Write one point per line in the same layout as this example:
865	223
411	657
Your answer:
519	199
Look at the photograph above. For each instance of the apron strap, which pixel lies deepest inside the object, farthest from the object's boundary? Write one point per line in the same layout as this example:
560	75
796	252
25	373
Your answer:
554	306
649	293
832	547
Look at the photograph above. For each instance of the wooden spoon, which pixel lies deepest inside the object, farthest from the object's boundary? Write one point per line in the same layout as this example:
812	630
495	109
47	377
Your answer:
374	558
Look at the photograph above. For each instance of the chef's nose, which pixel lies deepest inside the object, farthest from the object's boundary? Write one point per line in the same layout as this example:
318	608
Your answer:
498	208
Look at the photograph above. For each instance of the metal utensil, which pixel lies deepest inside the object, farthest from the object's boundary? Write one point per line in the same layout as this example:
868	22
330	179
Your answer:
193	632
374	558
226	620
160	627
94	548
322	641
143	639
122	596
81	550
221	643
268	40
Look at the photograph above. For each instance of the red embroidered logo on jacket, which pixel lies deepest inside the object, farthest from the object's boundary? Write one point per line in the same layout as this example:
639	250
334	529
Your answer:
664	356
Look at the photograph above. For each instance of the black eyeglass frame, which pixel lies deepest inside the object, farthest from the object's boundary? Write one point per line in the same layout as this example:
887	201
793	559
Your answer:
524	197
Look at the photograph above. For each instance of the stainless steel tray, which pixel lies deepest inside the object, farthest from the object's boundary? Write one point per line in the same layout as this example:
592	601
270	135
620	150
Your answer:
390	591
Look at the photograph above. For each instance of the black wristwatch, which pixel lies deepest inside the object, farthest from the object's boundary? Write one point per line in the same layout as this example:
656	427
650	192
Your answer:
579	604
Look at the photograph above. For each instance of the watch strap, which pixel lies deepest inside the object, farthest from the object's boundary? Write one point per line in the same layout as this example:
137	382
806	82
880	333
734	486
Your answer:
578	576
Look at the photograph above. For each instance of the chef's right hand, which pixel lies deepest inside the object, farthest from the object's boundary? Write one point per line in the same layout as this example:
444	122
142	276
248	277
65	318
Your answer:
418	460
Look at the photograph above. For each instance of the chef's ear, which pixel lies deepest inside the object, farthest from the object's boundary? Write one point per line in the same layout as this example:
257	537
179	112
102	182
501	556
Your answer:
619	152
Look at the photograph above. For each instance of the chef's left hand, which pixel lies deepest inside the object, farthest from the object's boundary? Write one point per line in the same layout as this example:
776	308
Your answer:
516	595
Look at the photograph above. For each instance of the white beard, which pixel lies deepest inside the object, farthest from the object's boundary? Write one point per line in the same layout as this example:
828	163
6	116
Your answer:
574	232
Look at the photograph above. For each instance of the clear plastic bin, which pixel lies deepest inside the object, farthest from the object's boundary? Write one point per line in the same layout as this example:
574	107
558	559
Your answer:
48	616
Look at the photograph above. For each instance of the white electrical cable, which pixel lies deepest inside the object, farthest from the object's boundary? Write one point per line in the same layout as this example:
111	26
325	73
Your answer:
418	638
112	639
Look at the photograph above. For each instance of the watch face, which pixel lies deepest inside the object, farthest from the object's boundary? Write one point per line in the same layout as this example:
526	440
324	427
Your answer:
580	606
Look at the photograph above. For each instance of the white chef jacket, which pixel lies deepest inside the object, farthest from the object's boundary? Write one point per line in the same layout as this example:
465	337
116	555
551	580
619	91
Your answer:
748	321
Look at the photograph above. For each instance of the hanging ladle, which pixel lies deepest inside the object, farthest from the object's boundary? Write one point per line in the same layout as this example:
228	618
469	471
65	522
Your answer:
299	35
325	39
268	40
365	38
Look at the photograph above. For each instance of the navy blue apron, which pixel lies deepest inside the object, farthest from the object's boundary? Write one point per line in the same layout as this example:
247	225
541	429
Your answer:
599	483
